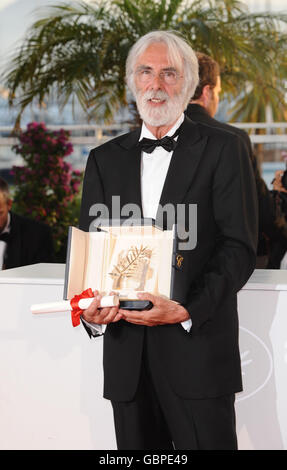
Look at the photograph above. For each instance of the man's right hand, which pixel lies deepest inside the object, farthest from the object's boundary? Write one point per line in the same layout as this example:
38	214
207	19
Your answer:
101	316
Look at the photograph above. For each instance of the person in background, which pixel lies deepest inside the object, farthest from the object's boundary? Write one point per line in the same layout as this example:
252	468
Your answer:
272	226
279	194
22	241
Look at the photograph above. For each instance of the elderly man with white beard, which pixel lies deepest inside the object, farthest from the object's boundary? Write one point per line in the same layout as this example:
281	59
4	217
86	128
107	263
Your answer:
172	372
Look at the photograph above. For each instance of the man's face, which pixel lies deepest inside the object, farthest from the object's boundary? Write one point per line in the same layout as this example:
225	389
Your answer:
5	206
159	86
213	98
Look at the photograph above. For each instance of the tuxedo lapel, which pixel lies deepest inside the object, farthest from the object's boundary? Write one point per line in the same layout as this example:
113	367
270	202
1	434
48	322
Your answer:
132	174
184	163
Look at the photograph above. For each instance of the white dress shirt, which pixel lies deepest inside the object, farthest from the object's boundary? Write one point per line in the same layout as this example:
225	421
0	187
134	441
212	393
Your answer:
154	168
4	244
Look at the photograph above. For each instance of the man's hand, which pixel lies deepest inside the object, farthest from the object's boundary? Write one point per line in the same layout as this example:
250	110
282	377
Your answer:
163	312
277	182
101	316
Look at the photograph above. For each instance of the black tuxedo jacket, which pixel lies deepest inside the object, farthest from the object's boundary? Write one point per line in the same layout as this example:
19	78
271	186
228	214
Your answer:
272	226
209	168
30	242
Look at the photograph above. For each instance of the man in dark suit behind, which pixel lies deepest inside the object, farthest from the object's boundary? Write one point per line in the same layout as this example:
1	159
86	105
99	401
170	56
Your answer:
22	241
171	372
272	226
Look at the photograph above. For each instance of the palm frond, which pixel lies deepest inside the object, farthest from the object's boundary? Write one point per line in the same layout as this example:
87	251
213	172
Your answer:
78	51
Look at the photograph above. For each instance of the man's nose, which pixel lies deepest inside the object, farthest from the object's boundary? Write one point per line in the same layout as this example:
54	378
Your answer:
156	82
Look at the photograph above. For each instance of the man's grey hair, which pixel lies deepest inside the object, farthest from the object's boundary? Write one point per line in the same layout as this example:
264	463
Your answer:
180	54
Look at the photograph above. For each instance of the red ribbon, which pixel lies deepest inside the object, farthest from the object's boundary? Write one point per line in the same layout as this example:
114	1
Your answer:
76	311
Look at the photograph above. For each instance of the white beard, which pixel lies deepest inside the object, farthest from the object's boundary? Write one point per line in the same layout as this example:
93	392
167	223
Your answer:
161	115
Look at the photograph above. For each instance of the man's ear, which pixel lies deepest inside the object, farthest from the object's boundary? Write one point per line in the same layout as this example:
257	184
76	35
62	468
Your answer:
206	90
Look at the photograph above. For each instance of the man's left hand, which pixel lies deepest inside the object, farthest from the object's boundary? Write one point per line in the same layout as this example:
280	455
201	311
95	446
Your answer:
163	312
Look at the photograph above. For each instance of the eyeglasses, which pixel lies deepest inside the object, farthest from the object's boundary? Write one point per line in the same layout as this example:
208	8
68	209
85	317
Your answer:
147	75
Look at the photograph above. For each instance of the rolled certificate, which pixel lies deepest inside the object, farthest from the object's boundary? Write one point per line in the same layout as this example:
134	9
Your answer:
65	305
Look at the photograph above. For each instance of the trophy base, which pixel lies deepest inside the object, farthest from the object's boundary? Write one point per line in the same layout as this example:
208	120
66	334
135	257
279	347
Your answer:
136	304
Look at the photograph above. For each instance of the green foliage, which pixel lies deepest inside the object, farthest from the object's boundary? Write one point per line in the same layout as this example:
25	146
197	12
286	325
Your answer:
46	188
79	51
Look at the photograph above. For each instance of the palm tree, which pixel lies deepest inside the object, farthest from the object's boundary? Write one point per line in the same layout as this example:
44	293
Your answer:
78	52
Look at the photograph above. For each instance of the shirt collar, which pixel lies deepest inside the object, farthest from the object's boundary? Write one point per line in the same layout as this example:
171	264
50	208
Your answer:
145	132
6	229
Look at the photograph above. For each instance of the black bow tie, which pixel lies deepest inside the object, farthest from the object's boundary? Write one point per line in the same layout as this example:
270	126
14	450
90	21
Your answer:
5	237
168	143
